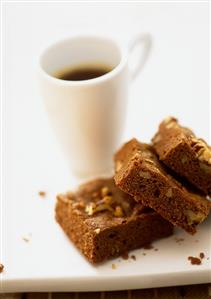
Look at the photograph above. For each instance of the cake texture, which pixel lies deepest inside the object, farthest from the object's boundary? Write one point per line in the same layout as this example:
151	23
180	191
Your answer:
104	222
140	174
183	152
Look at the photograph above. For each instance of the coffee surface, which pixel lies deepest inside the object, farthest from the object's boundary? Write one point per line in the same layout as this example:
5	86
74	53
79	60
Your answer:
83	72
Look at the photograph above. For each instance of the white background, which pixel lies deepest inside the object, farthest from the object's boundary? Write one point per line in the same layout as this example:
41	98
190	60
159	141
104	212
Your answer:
175	82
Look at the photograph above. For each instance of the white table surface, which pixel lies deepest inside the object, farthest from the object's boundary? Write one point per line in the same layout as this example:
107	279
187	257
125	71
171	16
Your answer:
174	82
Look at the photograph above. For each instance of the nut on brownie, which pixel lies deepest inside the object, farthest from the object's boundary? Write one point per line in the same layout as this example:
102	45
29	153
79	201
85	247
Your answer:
104	222
140	174
183	152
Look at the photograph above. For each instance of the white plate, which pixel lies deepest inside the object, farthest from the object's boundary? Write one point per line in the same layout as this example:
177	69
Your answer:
49	261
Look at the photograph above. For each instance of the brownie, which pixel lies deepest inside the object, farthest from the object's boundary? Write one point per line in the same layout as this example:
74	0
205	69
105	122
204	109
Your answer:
140	174
188	156
104	222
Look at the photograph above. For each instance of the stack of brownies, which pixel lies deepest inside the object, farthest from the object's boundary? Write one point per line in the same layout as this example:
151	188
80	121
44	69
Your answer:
155	187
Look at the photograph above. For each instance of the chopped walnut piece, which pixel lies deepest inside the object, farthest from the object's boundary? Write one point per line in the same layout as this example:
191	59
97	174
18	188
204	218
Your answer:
205	156
144	174
169	119
107	199
118	165
145	155
97	230
149	161
104	191
197	143
171	124
118	212
114	249
78	205
203	151
193	217
90	208
169	193
103	207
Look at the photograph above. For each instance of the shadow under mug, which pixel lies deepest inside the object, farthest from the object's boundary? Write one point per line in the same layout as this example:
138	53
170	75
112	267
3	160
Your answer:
88	116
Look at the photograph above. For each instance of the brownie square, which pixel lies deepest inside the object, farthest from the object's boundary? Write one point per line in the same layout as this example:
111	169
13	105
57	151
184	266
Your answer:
140	174
187	155
104	222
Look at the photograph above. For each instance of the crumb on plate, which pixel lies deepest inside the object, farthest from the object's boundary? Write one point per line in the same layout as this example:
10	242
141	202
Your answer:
194	260
42	193
27	238
179	240
1	268
201	255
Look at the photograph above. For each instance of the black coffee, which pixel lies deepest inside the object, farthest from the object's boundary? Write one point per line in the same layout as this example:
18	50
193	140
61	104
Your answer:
84	72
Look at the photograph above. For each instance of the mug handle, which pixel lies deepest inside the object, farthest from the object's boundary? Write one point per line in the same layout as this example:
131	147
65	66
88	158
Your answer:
145	41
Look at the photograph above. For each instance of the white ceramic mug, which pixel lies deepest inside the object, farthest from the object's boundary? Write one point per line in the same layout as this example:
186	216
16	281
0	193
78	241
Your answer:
89	115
